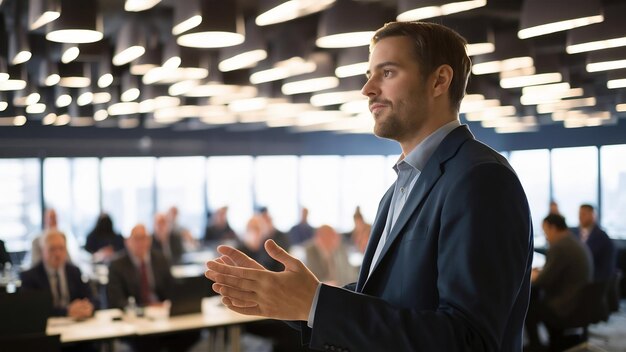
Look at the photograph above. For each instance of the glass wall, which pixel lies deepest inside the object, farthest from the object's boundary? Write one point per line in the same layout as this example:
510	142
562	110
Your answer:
229	183
180	183
276	187
20	203
613	207
574	180
320	189
128	191
533	169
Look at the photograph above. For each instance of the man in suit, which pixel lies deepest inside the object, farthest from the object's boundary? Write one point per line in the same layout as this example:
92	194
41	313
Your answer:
568	268
71	295
448	263
327	257
139	272
167	241
602	248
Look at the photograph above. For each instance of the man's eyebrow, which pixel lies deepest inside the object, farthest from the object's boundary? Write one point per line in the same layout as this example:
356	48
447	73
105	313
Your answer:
381	65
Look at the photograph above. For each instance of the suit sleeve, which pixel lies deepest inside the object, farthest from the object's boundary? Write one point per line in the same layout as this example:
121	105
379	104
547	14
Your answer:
483	250
117	295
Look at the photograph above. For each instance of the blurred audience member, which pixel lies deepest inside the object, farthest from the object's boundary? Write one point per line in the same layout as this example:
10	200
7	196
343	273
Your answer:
281	238
189	241
218	229
4	255
49	223
169	243
144	274
554	208
257	231
327	258
568	267
302	231
70	294
361	233
603	250
102	241
139	272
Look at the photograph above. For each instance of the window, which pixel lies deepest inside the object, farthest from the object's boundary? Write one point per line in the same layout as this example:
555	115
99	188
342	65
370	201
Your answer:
533	169
229	183
71	188
320	189
180	183
20	218
364	180
276	187
128	191
574	180
613	171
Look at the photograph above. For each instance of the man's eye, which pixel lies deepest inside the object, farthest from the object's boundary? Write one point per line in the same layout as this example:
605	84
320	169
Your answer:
387	73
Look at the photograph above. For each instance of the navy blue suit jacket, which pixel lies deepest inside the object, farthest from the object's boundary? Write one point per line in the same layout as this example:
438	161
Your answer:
36	278
454	274
603	251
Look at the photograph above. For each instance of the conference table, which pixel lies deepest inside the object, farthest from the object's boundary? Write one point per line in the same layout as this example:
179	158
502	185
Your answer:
113	323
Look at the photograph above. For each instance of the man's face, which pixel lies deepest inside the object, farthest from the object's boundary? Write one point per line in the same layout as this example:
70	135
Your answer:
585	217
139	242
549	230
54	252
396	90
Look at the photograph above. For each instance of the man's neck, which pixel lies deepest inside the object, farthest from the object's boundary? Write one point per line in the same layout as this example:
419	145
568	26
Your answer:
427	129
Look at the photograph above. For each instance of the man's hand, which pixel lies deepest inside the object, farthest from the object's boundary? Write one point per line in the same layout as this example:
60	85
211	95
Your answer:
248	288
80	309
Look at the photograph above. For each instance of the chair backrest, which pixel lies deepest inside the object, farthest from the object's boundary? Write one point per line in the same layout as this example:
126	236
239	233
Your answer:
613	291
592	306
30	343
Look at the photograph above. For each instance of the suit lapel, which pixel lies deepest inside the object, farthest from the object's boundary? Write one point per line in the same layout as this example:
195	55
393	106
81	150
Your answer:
427	179
377	230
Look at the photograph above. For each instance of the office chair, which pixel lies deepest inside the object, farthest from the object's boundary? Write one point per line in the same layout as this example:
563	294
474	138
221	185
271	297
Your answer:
35	342
592	307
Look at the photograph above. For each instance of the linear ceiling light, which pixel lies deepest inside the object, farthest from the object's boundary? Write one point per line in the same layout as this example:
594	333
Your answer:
609	34
565	105
221	26
245	55
79	23
605	60
131	43
414	10
540	17
349	23
140	5
42	12
510	54
277	11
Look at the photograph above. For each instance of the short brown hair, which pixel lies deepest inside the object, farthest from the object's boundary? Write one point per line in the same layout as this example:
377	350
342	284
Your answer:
435	45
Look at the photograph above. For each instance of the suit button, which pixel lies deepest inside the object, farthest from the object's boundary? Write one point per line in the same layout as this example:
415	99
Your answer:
326	347
332	348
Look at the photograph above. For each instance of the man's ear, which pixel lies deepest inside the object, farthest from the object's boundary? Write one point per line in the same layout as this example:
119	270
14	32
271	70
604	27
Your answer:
443	78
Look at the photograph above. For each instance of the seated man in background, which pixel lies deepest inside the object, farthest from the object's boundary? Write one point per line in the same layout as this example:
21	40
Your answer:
169	243
302	231
603	250
327	258
71	296
144	274
4	255
554	288
218	229
257	231
138	272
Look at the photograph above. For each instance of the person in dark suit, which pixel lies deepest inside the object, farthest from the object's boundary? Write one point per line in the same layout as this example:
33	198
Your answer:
71	295
448	263
102	241
139	272
554	288
167	241
603	250
4	255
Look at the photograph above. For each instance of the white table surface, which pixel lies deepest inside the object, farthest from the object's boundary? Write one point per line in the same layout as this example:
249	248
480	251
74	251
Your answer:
101	327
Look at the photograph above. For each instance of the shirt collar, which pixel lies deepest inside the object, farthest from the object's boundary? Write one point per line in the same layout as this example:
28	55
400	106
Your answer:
137	261
418	157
